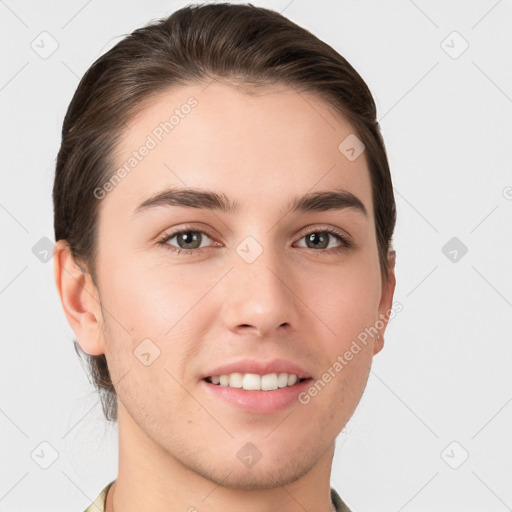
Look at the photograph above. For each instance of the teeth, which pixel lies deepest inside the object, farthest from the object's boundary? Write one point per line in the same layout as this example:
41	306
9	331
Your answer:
252	382
282	380
255	382
269	382
236	380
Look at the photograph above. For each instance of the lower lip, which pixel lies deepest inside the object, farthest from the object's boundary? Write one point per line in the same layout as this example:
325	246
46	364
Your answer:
258	402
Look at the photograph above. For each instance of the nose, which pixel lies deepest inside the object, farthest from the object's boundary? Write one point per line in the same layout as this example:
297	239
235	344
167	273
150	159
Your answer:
259	295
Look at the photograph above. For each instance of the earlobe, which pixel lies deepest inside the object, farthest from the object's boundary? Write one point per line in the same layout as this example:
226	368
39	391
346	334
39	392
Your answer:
378	344
386	302
79	299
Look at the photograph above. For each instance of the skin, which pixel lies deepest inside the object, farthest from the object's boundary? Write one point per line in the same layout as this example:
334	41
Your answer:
178	444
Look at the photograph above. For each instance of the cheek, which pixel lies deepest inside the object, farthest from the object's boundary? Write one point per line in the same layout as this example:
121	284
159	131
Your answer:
152	326
337	391
150	301
347	304
349	309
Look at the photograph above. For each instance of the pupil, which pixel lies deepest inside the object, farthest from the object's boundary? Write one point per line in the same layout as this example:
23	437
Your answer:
313	237
189	237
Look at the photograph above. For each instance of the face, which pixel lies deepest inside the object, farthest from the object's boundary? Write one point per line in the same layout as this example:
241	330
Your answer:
191	292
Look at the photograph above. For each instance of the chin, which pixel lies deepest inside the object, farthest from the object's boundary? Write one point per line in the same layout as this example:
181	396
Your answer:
267	472
258	478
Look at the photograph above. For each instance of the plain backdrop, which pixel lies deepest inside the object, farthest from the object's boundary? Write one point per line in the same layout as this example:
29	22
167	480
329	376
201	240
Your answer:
432	431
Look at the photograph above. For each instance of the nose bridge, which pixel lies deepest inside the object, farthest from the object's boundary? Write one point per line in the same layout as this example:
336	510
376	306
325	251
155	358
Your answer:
258	293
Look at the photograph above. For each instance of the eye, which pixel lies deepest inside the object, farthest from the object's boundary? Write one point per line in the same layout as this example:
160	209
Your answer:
188	240
319	239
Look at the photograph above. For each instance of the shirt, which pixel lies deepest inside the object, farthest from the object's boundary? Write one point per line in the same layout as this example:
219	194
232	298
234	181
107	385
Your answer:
99	503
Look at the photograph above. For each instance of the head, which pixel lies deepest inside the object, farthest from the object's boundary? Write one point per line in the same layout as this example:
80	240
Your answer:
240	101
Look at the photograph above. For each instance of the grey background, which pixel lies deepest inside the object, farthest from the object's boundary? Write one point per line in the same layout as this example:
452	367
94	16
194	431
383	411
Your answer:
441	388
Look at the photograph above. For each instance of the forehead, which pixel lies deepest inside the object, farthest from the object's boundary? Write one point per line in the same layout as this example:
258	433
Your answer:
275	143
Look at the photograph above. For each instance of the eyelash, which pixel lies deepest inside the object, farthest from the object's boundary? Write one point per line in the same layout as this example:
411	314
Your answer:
345	242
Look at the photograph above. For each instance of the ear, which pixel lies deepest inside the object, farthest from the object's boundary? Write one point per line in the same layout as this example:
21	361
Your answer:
79	298
386	302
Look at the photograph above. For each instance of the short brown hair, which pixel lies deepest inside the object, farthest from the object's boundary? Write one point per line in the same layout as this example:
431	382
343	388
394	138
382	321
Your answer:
252	45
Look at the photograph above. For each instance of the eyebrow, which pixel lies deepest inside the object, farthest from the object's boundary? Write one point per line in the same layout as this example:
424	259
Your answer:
337	199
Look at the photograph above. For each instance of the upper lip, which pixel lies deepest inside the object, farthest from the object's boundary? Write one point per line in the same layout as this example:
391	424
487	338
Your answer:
258	367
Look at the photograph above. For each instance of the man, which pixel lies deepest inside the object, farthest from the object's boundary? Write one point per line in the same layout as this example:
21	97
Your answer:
236	268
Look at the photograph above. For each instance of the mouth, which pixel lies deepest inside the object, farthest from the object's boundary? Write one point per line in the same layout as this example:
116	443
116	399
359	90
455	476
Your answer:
256	386
256	382
255	393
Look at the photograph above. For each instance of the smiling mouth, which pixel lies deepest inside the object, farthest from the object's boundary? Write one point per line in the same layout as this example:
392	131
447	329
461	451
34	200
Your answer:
256	382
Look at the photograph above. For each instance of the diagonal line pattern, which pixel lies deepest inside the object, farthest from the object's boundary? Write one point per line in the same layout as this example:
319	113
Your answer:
288	492
485	15
503	407
484	218
14	218
286	6
422	280
493	287
3	2
88	497
404	404
76	14
312	107
413	87
403	506
14	76
12	488
492	81
217	485
199	403
424	14
72	72
78	78
98	302
416	210
199	301
491	491
69	431
13	279
187	186
282	421
14	423
308	190
334	334
291	495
